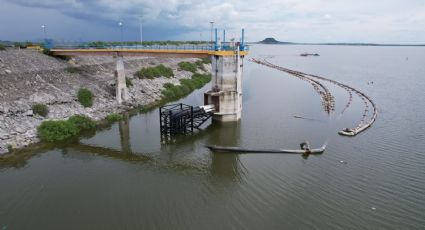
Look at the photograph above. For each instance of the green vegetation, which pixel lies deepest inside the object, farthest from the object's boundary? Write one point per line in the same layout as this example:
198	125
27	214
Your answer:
85	97
206	60
82	122
114	117
9	148
2	47
188	66
72	69
128	82
168	85
200	65
193	67
149	107
172	92
40	109
20	45
154	72
52	131
47	51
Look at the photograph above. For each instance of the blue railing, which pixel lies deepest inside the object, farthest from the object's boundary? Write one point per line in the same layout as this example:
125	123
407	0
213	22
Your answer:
221	47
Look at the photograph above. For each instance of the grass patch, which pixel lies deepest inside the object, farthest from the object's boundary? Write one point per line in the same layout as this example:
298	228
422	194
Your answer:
53	131
154	72
2	47
188	66
40	109
82	122
114	117
168	85
128	82
206	60
173	92
200	65
85	97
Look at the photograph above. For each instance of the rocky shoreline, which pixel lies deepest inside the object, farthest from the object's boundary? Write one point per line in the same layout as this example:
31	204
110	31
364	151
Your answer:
28	77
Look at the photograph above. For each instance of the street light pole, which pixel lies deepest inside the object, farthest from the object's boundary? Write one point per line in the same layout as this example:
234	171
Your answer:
212	25
44	31
141	30
120	24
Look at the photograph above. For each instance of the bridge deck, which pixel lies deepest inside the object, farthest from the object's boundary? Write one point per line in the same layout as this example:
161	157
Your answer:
144	52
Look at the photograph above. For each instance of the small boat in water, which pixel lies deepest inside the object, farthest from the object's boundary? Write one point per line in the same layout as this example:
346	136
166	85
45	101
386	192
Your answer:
217	148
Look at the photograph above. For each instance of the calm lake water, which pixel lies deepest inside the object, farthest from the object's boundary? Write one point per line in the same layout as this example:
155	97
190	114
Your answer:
126	177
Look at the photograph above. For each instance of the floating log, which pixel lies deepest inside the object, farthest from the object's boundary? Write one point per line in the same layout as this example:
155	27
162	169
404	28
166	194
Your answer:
233	149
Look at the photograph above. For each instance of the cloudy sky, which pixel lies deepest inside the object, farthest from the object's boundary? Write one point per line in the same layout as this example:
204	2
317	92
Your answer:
377	21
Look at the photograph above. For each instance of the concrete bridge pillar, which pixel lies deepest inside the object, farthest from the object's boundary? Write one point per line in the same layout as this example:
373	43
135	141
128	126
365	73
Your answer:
121	87
226	91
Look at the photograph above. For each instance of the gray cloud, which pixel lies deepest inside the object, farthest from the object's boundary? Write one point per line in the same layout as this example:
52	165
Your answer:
391	21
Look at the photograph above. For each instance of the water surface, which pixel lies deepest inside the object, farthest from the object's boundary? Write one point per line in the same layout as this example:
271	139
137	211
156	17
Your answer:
127	177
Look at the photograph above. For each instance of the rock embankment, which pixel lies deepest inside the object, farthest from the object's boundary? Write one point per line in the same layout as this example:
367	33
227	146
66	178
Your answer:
28	77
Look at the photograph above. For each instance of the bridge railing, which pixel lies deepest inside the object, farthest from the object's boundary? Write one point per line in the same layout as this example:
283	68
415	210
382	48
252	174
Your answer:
221	47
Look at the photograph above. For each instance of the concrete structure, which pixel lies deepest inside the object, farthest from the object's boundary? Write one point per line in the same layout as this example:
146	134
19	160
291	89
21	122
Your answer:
120	84
227	66
226	91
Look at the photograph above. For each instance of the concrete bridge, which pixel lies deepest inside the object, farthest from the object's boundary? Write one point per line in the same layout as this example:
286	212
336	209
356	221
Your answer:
227	67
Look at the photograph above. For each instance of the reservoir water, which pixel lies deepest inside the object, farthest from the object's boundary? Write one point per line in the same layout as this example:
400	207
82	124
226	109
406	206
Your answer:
126	177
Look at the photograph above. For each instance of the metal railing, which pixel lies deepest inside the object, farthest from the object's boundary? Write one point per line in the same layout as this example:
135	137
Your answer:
221	47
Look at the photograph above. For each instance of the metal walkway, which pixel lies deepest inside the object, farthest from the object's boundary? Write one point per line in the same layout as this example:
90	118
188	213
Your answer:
182	119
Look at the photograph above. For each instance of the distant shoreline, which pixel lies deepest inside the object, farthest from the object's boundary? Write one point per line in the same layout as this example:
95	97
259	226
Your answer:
335	44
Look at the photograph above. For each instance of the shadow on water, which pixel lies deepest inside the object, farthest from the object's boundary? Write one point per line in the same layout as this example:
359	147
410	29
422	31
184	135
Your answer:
225	166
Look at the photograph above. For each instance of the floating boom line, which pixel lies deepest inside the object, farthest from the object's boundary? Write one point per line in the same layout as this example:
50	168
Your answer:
329	100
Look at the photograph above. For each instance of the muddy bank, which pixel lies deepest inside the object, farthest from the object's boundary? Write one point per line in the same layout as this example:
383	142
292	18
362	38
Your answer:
28	77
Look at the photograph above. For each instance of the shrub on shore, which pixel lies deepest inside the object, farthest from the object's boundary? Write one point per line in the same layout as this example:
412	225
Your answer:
128	82
82	122
85	97
172	92
154	72
40	109
188	66
52	131
56	131
200	65
114	117
2	47
206	60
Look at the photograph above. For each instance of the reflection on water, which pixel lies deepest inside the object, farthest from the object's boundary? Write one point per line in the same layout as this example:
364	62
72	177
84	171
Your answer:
225	166
125	176
125	134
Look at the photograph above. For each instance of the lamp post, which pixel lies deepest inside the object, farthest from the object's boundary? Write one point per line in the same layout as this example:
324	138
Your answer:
120	24
45	35
212	25
141	30
44	31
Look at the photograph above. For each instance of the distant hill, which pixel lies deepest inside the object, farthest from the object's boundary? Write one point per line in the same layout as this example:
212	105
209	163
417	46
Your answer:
272	41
